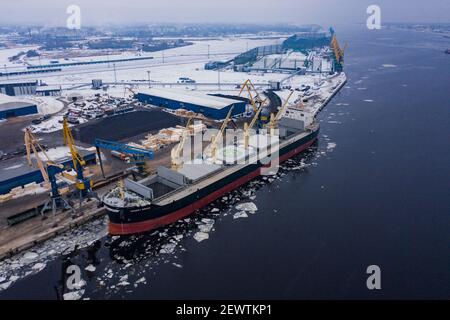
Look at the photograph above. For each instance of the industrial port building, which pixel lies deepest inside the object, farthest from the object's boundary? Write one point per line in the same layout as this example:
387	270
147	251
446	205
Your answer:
9	107
18	88
209	105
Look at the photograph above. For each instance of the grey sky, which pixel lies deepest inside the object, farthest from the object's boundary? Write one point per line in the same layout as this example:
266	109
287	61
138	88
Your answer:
327	12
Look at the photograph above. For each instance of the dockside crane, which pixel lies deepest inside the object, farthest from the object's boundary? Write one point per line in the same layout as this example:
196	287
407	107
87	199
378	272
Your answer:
248	127
253	94
137	154
176	152
83	184
274	118
338	52
215	138
49	171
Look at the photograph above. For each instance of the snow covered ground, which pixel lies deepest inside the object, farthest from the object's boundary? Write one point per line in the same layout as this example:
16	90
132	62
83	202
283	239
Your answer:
47	105
5	54
166	68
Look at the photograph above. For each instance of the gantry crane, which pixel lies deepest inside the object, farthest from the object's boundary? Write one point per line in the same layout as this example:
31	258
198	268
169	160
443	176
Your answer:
83	184
48	170
176	152
273	124
215	138
137	154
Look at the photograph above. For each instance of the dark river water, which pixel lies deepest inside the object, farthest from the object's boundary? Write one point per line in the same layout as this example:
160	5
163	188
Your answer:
373	191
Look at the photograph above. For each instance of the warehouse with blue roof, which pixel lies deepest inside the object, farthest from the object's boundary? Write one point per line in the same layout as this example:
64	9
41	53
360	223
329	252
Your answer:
209	105
11	107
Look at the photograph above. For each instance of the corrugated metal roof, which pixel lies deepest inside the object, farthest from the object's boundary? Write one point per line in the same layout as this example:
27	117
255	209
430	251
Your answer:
193	97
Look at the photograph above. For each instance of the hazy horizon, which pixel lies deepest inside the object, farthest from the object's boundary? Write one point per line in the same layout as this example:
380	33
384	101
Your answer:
324	12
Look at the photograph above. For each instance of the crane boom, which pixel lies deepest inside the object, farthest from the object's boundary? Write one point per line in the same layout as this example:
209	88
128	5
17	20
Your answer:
247	127
69	141
48	170
283	107
30	145
274	118
254	99
215	138
175	153
223	126
255	117
83	184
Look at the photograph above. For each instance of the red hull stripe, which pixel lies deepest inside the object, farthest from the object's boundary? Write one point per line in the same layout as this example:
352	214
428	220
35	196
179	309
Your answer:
138	227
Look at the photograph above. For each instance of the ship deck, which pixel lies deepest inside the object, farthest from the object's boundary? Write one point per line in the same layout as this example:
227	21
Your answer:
224	172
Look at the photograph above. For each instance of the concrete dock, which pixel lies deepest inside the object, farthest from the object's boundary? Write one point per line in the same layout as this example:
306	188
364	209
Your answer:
36	230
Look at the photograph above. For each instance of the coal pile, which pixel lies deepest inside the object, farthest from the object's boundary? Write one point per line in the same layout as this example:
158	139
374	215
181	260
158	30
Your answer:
125	126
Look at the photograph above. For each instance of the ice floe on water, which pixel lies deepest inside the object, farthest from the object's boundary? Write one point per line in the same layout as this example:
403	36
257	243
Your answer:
200	236
240	214
205	226
73	295
368	100
247	207
90	268
389	65
331	146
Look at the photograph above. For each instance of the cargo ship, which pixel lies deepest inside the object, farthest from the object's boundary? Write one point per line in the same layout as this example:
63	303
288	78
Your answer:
170	195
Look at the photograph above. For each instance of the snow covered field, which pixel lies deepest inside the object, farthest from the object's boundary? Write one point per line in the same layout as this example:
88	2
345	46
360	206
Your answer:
168	66
196	54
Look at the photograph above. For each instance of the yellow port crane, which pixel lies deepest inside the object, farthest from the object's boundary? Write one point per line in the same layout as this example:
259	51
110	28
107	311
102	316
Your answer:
176	152
83	184
48	171
247	127
215	138
273	124
255	98
32	144
338	52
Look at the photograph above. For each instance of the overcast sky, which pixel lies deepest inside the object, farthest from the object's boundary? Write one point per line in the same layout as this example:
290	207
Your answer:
327	12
